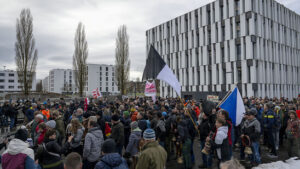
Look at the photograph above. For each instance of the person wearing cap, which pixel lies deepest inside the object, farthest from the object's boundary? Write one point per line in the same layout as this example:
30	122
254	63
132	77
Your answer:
17	153
153	155
134	139
251	128
117	132
269	123
285	113
293	134
60	125
110	158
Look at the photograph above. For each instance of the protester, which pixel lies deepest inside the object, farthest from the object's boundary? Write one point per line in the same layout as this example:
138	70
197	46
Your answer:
117	132
134	139
73	161
18	154
77	132
92	144
153	155
293	134
111	159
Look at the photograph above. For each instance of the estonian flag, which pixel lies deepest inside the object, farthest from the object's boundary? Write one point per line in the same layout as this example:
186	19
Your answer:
156	68
235	106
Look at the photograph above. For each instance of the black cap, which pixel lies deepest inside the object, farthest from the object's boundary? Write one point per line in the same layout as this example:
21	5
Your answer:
115	117
109	146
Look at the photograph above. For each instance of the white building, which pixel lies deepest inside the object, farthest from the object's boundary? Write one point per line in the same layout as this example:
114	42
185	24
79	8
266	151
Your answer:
252	44
61	81
45	84
9	81
103	77
98	76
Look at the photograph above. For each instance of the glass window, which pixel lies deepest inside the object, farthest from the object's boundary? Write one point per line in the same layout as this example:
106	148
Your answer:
2	80
11	81
106	68
11	87
2	74
1	87
106	78
11	75
238	52
107	89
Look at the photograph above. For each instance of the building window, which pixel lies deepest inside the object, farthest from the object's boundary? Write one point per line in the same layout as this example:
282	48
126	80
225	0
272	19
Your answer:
112	89
100	78
100	89
106	83
11	81
106	89
11	75
238	30
2	80
100	73
237	6
1	87
100	68
113	83
11	87
106	68
106	73
238	52
2	74
100	83
19	87
106	78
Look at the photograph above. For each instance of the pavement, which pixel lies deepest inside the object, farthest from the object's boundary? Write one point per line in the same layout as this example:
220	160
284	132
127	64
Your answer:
282	155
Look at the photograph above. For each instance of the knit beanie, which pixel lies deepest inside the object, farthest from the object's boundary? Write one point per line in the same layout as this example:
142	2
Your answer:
134	125
21	134
115	117
51	124
108	146
149	134
126	113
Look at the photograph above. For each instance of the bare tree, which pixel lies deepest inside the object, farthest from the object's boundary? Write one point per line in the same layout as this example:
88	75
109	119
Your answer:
26	54
79	59
122	62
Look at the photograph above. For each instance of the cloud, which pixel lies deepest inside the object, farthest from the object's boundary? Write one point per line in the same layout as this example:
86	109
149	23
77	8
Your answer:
55	23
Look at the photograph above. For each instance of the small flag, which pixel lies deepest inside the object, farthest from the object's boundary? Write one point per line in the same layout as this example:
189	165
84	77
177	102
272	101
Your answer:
235	106
156	68
86	103
96	93
107	129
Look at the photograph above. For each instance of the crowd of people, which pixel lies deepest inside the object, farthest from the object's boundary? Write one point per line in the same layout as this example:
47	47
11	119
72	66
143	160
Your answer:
142	134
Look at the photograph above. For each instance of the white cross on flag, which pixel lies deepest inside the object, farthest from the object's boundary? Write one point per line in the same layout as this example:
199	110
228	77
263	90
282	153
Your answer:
97	93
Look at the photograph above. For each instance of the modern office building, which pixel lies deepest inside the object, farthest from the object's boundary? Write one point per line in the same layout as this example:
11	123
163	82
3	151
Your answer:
61	81
103	77
9	82
252	44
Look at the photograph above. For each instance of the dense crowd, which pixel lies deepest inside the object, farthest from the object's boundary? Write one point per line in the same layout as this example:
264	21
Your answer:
139	133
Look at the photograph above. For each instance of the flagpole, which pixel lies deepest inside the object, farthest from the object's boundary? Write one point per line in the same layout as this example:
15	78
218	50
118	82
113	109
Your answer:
224	98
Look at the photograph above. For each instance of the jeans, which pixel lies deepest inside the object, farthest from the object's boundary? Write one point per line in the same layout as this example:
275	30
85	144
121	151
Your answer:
186	154
255	152
271	141
276	138
119	149
207	159
12	122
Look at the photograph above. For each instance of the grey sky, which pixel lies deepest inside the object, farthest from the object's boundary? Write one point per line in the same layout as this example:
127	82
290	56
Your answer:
55	22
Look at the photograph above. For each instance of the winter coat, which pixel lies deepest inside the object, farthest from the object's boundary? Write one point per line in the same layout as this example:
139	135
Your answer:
60	126
160	130
269	120
77	138
134	139
221	144
18	156
252	129
112	161
153	156
292	129
92	144
204	129
29	114
49	153
41	136
117	134
183	131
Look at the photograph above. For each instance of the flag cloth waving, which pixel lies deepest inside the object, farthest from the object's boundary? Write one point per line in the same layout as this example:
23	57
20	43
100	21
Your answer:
96	93
156	68
235	106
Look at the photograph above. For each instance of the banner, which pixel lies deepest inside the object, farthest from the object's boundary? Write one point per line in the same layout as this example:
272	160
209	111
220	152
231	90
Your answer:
96	93
212	98
150	89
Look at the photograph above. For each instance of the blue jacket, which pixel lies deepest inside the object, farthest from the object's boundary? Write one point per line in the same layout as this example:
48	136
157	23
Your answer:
112	161
269	119
30	114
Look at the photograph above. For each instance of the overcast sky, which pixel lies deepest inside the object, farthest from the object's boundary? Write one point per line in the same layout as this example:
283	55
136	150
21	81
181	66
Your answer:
55	22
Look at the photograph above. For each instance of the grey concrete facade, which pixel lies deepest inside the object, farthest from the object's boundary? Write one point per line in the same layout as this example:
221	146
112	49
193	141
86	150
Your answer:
252	44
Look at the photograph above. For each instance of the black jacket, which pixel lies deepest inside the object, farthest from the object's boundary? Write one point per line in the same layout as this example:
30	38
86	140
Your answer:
204	129
117	133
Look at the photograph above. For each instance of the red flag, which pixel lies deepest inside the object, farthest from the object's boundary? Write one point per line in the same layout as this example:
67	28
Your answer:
86	103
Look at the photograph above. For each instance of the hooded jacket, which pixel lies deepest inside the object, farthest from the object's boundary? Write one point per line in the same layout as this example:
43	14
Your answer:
18	156
111	161
252	129
134	139
92	144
